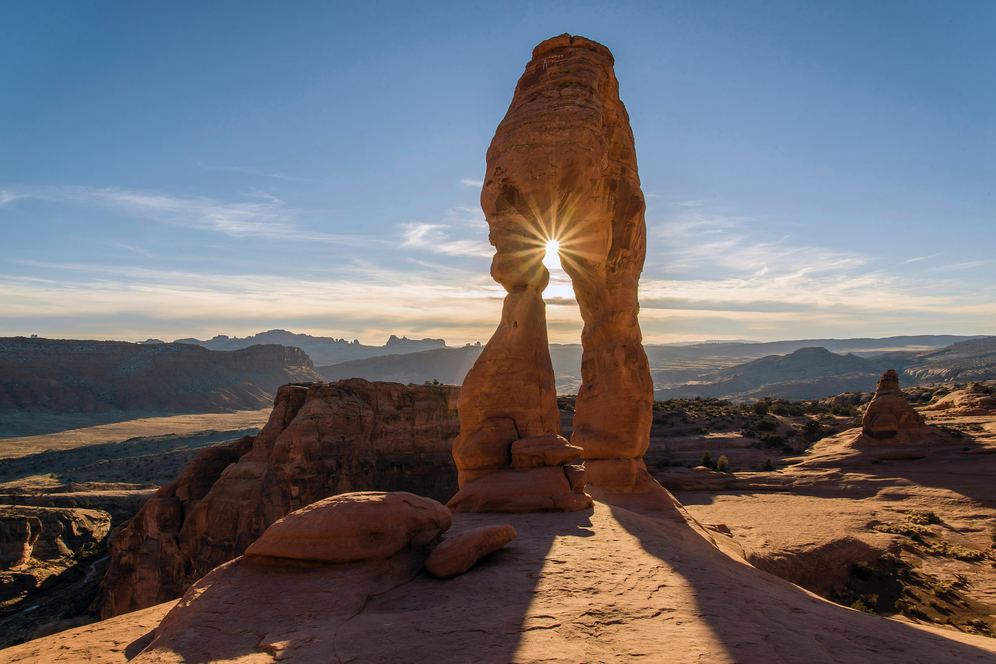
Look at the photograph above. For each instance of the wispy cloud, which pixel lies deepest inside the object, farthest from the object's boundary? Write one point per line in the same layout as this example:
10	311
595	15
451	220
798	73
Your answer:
959	266
438	238
260	215
130	247
917	259
364	301
8	197
254	172
726	264
471	182
708	275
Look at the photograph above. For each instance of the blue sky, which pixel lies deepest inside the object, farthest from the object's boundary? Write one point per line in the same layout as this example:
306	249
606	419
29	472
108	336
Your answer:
187	168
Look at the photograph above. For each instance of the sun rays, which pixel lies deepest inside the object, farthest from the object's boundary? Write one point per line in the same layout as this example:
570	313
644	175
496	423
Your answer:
557	231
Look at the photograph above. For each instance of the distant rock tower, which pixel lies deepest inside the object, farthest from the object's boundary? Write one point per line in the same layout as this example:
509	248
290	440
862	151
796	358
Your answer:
889	414
561	167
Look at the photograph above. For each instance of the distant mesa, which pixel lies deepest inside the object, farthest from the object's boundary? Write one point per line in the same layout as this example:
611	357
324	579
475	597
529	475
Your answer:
798	369
321	350
51	380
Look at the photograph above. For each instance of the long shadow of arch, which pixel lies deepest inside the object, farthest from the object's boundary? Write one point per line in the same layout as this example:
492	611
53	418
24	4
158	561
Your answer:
759	617
378	612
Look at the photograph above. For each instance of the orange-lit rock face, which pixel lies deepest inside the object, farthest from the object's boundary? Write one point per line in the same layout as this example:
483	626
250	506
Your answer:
889	414
562	166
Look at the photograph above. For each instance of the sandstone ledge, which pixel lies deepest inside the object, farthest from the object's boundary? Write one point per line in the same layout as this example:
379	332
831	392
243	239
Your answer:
607	585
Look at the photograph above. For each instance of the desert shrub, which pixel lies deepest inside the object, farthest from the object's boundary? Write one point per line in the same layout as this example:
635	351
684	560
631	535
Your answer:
723	464
812	430
861	570
815	408
707	461
768	466
761	408
859	605
766	424
922	517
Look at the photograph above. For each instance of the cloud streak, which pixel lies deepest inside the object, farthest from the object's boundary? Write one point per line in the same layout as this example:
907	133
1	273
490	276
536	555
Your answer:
438	238
261	215
707	276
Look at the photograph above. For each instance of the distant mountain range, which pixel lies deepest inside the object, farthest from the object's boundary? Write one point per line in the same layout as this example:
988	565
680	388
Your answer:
112	379
118	380
812	373
797	369
321	350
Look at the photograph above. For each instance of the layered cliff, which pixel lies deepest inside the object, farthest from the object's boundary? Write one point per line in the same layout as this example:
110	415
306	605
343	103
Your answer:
65	376
321	439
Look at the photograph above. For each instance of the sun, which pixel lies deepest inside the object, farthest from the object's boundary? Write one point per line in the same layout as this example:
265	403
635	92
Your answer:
552	258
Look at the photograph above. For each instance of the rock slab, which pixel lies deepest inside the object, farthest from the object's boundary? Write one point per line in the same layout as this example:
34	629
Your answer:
351	527
458	553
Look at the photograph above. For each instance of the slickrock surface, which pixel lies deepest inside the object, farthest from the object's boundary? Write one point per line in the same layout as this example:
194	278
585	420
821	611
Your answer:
112	641
457	554
975	399
610	585
889	416
321	439
351	527
848	502
562	166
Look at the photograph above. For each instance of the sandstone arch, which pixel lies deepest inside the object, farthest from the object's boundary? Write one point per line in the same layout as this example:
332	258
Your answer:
562	165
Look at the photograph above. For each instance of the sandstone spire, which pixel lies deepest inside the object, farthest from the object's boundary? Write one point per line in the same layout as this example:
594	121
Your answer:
561	166
889	414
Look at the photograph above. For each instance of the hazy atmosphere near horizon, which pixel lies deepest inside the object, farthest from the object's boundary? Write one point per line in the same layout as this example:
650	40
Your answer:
188	169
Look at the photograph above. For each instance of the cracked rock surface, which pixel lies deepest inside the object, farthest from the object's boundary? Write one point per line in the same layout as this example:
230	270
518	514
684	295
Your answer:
604	585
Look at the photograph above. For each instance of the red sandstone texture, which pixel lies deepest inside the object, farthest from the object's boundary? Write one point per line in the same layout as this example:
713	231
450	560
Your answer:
351	527
615	584
561	166
459	553
889	414
321	439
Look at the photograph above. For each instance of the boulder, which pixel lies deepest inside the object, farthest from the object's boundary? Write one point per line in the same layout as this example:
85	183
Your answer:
539	451
351	527
523	490
458	553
